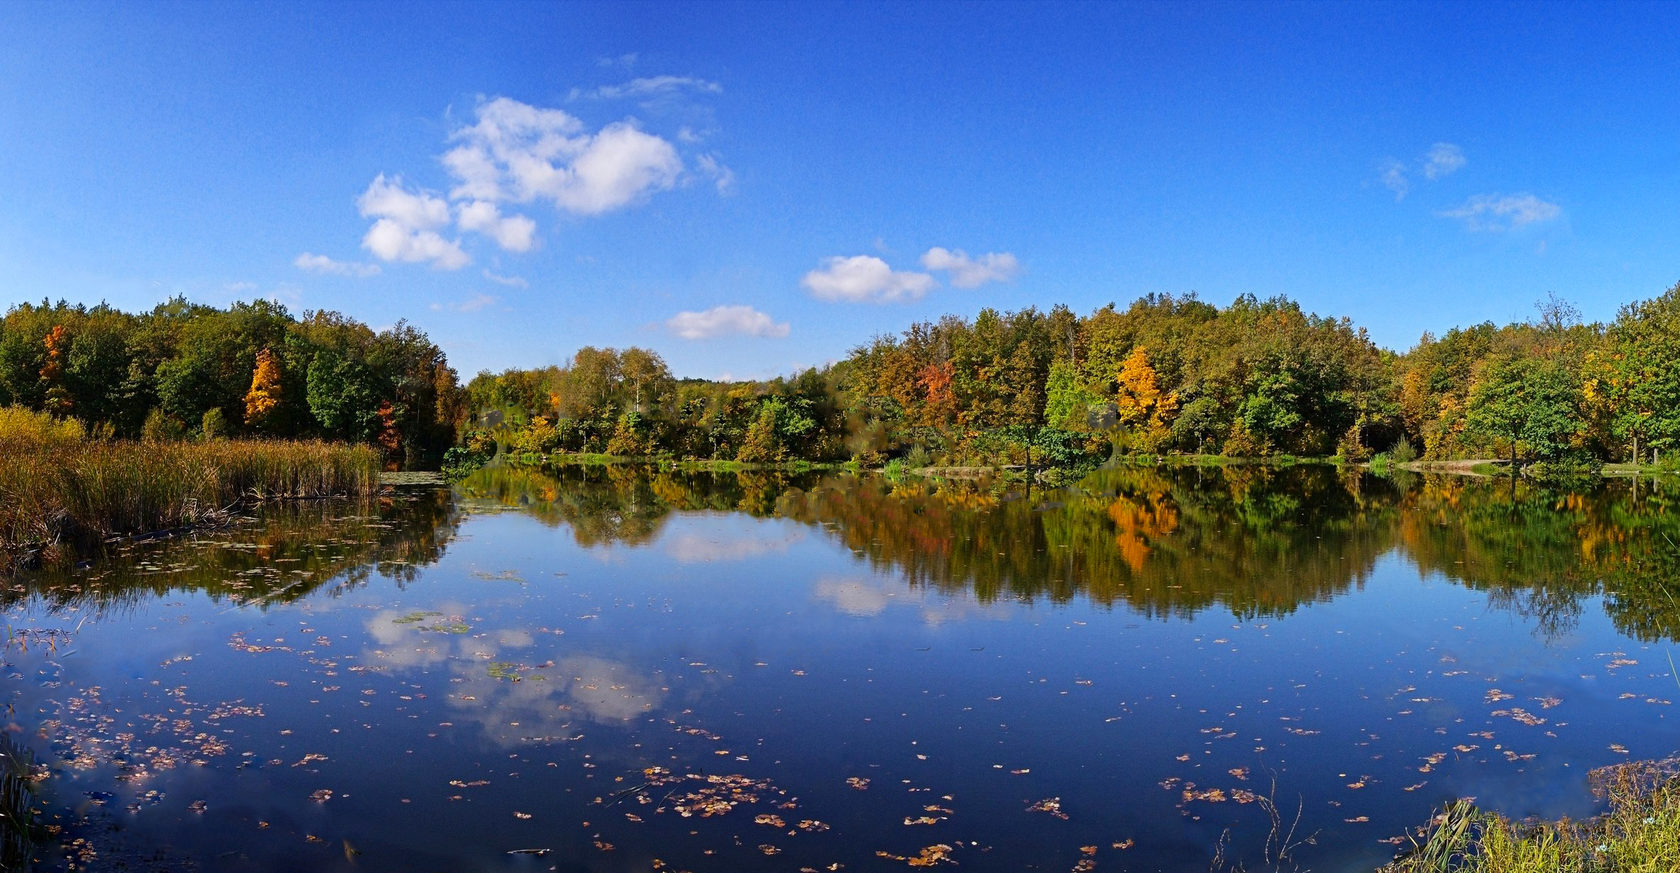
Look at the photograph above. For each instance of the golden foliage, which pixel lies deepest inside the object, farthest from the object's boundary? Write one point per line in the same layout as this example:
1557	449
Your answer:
264	395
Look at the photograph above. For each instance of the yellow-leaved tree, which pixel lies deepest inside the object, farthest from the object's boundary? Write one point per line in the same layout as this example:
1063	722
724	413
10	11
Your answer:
1144	410
264	396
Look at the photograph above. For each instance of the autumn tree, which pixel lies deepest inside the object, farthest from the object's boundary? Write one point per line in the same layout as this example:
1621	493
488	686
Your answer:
266	390
1142	406
56	396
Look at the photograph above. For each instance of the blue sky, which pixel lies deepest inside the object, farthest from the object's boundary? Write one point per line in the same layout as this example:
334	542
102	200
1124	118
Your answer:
749	189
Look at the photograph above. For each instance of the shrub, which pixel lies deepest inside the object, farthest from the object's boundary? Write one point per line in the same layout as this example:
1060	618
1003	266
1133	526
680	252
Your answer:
1402	453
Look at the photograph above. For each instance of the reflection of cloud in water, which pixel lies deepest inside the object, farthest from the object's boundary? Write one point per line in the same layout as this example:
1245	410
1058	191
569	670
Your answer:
866	599
607	690
494	684
854	596
691	548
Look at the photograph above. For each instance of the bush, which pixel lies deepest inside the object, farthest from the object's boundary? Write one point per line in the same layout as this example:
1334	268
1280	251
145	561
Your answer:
161	427
460	461
22	429
214	425
1402	453
1351	448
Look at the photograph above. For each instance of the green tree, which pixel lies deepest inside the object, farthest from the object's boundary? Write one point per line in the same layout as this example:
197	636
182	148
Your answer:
1528	404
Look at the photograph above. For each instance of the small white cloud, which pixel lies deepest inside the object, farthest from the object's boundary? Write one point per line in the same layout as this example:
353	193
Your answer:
649	86
967	272
725	321
471	304
1443	159
510	281
388	240
239	287
407	224
313	263
1393	175
864	278
515	233
710	165
626	61
389	199
1498	212
519	153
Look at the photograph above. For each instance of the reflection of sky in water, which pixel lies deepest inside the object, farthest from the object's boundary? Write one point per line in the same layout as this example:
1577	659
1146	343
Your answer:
521	676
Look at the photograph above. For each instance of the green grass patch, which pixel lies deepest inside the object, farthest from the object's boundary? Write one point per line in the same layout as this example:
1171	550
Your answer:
1639	832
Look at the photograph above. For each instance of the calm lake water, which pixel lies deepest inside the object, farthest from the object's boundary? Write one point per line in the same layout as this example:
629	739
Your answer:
612	670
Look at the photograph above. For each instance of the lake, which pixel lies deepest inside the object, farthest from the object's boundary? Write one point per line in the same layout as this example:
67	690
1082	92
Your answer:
614	669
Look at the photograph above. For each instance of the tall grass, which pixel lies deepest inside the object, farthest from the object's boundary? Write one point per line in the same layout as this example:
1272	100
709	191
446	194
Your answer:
57	486
1638	832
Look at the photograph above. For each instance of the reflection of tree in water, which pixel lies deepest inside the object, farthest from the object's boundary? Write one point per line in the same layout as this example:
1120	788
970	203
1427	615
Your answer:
620	503
291	550
1541	552
1172	541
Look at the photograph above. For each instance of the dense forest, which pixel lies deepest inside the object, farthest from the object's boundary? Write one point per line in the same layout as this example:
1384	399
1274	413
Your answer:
1166	374
186	370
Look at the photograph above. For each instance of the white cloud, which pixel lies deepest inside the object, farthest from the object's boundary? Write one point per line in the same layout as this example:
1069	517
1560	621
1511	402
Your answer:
1393	174
313	263
648	86
240	287
517	152
515	233
389	199
710	165
967	272
1443	159
864	278
510	281
1497	212
725	321
407	224
471	304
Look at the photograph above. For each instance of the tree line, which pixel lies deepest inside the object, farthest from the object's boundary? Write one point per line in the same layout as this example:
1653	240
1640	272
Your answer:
1166	374
185	370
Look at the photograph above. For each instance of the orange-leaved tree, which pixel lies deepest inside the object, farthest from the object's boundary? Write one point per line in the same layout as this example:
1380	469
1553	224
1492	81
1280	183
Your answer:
264	396
1142	406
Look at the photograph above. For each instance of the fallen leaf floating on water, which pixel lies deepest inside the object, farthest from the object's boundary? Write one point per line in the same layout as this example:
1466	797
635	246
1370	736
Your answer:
928	857
1051	805
858	782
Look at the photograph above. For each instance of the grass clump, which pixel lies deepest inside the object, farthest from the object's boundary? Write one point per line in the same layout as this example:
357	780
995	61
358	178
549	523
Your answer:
58	486
1639	832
